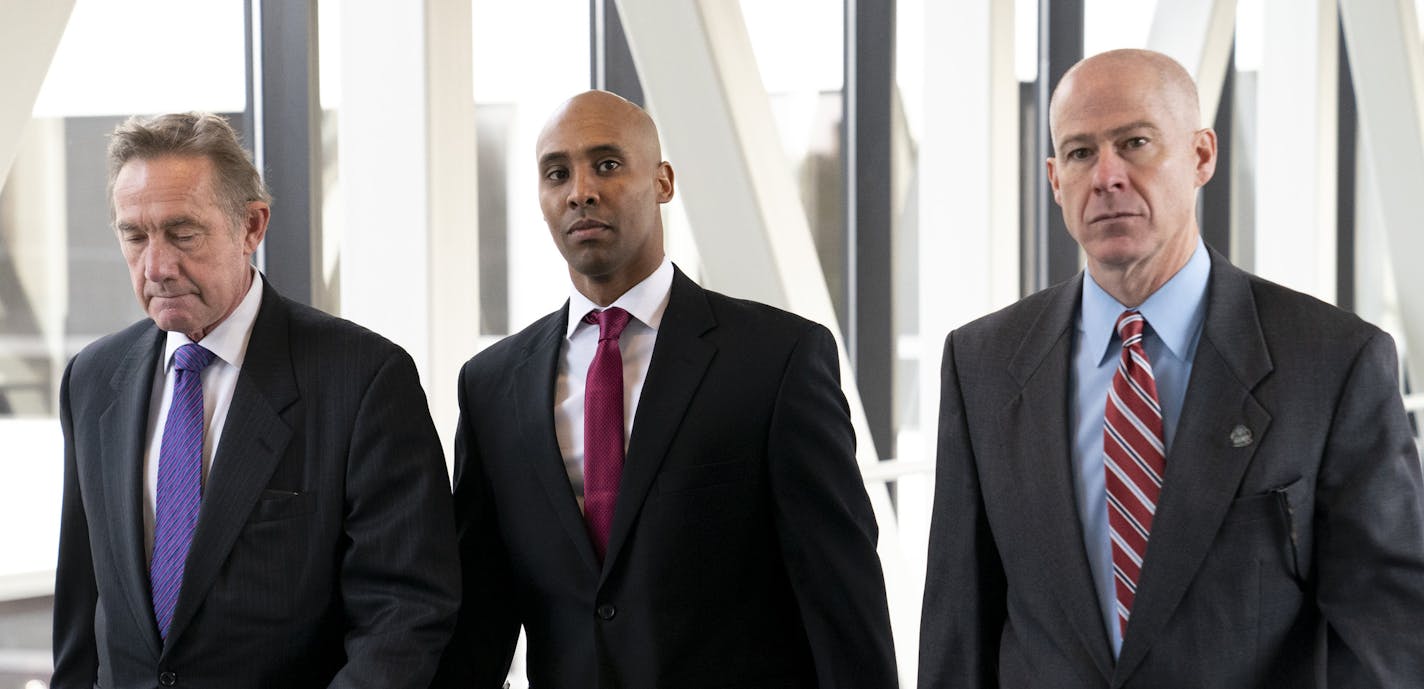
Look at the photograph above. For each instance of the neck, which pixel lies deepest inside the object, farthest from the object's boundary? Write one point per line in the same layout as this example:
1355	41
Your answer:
1132	283
606	289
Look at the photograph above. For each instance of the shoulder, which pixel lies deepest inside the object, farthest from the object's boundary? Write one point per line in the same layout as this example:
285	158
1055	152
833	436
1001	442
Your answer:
1296	316
502	355
767	322
1051	308
1297	331
316	332
98	359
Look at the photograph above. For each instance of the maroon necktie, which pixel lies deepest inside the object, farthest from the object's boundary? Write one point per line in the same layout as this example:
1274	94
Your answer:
1132	442
603	427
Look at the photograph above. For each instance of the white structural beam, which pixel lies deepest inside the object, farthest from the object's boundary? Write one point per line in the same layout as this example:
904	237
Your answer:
1296	153
29	35
1387	66
968	216
1198	34
702	86
406	155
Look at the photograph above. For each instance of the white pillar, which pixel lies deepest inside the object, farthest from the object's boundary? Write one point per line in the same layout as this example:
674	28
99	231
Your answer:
1387	65
1296	154
968	215
406	157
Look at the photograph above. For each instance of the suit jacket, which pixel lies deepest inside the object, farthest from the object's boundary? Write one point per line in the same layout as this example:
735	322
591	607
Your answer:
1288	545
742	549
324	553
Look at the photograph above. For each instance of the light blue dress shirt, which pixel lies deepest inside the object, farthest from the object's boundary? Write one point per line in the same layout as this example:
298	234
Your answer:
1174	315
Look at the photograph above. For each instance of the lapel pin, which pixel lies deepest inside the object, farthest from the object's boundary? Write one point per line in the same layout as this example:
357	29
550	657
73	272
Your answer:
1240	436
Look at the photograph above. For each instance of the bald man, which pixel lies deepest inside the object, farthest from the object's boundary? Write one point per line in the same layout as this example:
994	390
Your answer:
1167	472
657	481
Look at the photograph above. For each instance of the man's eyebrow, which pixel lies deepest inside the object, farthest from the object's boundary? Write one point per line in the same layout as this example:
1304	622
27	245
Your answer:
594	151
1113	133
178	221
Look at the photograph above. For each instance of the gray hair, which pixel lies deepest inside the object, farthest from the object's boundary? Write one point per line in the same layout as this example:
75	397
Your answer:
236	180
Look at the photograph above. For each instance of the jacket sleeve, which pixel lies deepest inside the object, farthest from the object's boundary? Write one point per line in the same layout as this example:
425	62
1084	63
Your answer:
399	573
1369	531
479	655
825	524
76	595
964	607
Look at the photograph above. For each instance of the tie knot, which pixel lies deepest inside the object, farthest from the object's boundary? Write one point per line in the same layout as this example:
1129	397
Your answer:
192	357
610	322
1129	327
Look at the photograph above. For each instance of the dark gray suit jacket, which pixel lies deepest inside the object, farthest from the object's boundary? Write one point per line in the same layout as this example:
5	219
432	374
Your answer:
324	553
742	549
1295	560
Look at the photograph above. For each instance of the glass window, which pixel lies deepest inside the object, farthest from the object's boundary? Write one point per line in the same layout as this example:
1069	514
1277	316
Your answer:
63	282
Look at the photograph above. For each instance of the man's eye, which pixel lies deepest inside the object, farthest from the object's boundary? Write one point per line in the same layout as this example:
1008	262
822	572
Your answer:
1135	142
608	165
556	175
1080	154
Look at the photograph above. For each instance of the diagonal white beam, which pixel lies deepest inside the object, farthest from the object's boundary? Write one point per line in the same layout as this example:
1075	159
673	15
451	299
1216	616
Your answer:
29	35
1197	33
1387	66
701	82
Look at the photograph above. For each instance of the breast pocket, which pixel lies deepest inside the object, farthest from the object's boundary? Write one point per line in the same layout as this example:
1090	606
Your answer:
282	504
701	476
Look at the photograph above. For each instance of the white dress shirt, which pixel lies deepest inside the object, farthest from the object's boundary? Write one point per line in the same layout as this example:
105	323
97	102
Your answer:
645	302
229	342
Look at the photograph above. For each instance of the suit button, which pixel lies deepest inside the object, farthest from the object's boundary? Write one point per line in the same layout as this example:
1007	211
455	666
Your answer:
167	679
607	611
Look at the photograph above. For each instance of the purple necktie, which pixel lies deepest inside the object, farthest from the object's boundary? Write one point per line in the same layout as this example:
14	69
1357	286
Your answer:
603	427
180	481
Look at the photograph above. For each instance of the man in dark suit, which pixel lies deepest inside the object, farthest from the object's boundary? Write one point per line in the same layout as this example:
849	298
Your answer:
1167	472
254	493
657	481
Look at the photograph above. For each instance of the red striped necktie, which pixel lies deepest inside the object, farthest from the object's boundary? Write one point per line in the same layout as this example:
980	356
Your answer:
1135	455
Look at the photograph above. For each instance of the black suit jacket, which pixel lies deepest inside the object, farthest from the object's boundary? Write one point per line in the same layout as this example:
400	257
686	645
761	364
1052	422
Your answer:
742	550
1288	545
324	553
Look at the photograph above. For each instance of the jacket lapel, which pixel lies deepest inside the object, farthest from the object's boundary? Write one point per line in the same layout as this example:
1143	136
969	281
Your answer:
254	438
124	428
680	359
1035	431
534	378
1204	468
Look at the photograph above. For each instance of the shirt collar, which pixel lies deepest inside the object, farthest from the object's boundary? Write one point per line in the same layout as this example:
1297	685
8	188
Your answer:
229	339
645	301
1174	312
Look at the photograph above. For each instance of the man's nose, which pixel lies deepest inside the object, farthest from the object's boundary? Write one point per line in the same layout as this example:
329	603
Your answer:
1109	172
160	261
583	190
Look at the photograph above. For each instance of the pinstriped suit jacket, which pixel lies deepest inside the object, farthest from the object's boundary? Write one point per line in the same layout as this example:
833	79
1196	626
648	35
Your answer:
324	553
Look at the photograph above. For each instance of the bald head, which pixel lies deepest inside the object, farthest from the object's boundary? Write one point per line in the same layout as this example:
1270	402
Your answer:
604	109
1140	74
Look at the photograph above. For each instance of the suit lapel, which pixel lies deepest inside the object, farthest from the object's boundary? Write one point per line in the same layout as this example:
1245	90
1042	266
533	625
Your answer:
124	428
254	439
680	359
1204	469
1035	436
534	413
